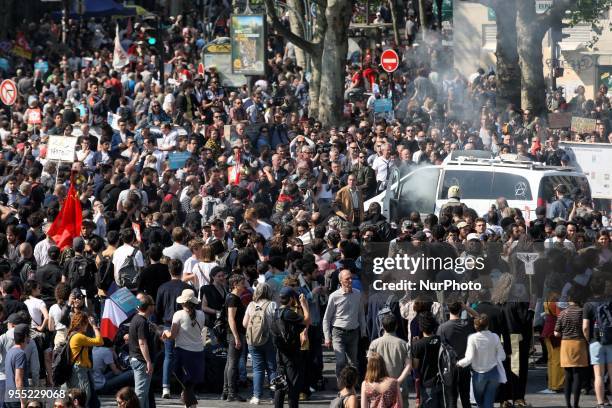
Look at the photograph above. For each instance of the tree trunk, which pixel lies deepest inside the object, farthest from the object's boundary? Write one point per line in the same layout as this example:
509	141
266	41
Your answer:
314	86
394	20
508	71
297	28
333	60
530	35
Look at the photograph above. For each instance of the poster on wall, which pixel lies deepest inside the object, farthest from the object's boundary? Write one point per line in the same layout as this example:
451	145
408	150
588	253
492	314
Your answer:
248	44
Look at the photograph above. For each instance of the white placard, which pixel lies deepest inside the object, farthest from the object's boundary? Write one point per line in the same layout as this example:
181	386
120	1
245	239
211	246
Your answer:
61	148
528	258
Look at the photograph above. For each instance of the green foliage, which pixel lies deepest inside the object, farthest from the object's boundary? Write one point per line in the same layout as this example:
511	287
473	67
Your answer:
589	11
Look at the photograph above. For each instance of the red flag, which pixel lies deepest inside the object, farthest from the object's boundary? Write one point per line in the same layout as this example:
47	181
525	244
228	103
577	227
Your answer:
67	224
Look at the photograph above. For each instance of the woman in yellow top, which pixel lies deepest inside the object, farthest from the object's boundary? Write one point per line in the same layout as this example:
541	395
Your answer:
80	351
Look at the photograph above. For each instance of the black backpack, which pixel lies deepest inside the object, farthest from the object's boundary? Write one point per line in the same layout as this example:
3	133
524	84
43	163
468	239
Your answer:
62	363
81	274
282	335
447	363
220	325
106	273
129	273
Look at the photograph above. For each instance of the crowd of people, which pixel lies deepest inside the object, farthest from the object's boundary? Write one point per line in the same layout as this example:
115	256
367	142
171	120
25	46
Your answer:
258	247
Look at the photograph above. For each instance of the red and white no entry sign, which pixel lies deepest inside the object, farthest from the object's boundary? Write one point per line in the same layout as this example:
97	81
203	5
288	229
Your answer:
8	92
389	60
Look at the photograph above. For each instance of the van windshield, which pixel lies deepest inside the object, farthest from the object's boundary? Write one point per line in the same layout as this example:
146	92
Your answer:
573	183
486	185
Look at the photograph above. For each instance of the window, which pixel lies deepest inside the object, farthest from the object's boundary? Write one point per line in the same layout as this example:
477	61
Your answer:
573	183
486	185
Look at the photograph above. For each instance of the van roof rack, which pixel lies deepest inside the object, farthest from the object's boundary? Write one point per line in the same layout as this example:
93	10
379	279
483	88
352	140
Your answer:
507	161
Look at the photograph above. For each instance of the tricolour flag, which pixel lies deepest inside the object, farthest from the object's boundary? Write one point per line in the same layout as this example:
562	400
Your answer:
120	57
112	317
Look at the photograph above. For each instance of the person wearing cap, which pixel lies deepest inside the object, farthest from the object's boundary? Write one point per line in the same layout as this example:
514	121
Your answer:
186	331
16	365
563	204
7	341
291	318
41	249
454	198
141	343
344	322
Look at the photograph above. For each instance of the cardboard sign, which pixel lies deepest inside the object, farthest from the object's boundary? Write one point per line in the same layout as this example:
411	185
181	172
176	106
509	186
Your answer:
560	120
583	125
383	105
176	160
126	300
61	148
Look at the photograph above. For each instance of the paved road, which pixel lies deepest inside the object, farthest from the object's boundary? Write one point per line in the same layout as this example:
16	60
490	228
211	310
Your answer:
537	382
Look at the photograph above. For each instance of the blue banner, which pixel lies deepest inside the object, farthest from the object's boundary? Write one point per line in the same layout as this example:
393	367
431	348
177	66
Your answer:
383	105
176	160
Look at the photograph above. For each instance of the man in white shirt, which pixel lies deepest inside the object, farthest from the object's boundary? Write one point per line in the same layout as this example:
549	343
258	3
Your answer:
135	184
169	138
560	239
127	249
177	250
382	166
41	250
259	226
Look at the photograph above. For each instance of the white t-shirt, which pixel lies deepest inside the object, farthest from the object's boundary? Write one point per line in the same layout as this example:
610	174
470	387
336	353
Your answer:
35	307
264	229
56	313
189	336
120	255
201	270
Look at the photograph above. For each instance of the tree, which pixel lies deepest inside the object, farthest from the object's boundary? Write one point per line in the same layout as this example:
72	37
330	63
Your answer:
506	53
327	50
532	27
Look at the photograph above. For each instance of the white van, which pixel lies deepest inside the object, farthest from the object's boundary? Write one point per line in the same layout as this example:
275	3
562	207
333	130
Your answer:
525	185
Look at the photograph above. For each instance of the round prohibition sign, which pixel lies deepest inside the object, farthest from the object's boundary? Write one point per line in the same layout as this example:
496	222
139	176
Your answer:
8	92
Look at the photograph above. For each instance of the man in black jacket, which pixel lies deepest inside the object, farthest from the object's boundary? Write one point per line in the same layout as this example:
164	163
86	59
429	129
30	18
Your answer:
49	275
287	327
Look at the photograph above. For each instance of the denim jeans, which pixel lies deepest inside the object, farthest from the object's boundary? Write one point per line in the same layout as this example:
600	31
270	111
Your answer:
115	382
263	357
168	360
432	397
242	365
345	344
485	386
142	381
81	379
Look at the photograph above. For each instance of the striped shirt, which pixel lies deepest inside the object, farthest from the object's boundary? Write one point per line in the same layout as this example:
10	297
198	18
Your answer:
569	323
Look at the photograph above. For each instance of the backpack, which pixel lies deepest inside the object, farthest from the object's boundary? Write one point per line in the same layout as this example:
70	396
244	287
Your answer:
62	363
80	274
106	273
129	273
27	271
386	310
228	259
447	364
257	332
65	315
339	401
220	325
283	339
604	323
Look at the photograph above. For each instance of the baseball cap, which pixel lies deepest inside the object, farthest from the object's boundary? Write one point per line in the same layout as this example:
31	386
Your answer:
77	293
21	332
287	292
230	220
473	236
14	318
78	244
462	224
